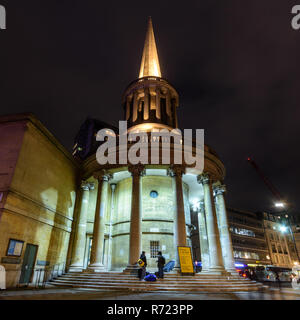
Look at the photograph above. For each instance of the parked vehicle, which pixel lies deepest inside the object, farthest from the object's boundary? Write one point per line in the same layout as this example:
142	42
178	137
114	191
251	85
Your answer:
269	273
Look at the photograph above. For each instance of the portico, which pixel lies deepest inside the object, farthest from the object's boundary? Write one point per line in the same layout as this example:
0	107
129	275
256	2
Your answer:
151	204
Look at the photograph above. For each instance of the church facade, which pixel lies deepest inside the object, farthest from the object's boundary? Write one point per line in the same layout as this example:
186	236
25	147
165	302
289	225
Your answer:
57	207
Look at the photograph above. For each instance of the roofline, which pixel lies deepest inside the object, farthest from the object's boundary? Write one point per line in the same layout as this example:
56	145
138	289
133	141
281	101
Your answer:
40	126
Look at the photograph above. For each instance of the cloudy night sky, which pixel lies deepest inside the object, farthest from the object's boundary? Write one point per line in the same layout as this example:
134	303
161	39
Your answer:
235	65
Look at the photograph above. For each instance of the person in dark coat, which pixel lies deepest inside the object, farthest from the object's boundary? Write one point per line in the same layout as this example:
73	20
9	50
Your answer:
142	271
277	277
160	264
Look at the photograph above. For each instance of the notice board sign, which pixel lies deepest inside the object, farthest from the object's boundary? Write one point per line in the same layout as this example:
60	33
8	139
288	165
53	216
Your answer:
185	259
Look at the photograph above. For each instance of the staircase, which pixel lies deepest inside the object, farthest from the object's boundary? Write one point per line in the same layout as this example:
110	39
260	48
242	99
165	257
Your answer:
118	281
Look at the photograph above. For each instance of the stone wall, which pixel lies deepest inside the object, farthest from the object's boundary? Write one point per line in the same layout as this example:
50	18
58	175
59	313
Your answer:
40	199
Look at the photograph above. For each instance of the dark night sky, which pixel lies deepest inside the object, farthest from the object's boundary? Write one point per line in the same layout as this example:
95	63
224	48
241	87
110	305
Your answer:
235	65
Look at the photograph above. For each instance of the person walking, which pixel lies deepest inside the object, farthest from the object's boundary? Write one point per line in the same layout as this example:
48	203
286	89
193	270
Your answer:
277	277
143	264
160	264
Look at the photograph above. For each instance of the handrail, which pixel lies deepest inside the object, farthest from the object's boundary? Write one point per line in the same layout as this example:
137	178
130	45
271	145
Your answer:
40	276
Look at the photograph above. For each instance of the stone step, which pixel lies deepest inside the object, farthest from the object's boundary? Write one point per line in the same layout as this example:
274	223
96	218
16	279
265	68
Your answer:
165	279
172	282
161	283
157	283
168	276
151	287
121	280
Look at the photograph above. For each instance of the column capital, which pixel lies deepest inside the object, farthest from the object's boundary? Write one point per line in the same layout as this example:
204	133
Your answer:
102	175
113	186
87	186
137	170
204	178
201	203
176	170
219	189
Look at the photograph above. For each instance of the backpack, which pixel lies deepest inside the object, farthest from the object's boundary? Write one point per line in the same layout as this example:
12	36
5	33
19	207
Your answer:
150	277
141	262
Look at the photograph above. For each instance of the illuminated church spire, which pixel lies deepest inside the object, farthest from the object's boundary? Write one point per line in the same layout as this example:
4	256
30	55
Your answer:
150	102
150	63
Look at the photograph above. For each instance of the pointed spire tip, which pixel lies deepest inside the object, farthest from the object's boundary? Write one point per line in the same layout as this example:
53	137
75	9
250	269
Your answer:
150	63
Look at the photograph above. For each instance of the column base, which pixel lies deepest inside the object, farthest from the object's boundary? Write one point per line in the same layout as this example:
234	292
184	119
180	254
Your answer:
131	269
218	271
232	271
204	271
96	267
75	268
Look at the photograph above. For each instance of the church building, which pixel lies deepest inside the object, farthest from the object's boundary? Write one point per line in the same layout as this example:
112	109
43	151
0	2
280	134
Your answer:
58	207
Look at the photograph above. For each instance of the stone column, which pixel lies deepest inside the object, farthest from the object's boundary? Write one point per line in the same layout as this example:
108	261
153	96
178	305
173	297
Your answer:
215	254
112	208
135	107
225	238
146	103
96	260
203	238
135	237
158	111
127	109
80	235
179	214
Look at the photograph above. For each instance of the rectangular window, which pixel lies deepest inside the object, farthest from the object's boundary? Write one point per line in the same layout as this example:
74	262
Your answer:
154	248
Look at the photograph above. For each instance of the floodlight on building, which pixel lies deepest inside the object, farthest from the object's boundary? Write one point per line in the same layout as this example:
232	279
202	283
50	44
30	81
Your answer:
296	263
283	228
195	205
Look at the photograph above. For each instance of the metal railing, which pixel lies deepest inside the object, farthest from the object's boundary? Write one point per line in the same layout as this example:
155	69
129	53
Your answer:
40	276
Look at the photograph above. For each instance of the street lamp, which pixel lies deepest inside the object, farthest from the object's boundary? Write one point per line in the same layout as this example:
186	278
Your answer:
279	204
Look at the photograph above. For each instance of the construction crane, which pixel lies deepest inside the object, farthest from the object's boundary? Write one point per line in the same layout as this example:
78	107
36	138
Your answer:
277	195
267	182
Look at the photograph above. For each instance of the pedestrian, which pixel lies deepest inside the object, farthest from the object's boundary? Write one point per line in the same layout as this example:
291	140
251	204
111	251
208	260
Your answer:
160	264
278	280
143	264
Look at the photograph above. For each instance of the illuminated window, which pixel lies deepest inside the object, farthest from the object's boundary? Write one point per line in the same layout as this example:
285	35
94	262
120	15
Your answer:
243	232
154	248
